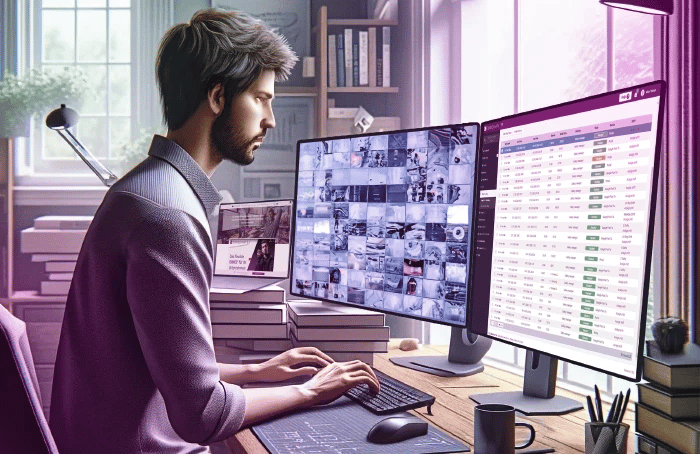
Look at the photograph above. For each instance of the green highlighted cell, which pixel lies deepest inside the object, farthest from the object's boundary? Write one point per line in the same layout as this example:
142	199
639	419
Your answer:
585	338
593	216
587	300
591	248
598	166
586	330
595	205
595	197
597	189
586	285
589	278
597	181
592	238
597	174
591	259
593	227
587	293
590	268
586	322
599	150
587	308
584	315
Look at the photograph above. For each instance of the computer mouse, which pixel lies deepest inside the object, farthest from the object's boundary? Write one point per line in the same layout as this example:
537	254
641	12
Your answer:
397	428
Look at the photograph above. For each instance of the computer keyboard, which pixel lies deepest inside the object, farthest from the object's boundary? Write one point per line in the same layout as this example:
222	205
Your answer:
394	396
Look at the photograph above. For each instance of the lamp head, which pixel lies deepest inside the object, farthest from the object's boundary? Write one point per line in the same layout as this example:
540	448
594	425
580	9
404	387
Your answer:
62	118
662	7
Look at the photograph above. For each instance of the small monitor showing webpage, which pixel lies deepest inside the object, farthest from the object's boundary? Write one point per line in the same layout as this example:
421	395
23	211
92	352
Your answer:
383	221
253	239
566	199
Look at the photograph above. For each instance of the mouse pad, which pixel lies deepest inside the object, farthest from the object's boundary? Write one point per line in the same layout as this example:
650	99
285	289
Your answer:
341	427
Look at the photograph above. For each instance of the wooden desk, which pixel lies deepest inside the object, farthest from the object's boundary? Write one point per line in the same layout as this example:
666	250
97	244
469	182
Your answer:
453	411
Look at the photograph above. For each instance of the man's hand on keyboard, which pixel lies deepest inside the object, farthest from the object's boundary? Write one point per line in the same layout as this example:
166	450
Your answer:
336	378
292	363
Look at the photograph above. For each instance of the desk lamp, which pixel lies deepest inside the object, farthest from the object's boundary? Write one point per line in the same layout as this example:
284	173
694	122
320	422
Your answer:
63	118
660	7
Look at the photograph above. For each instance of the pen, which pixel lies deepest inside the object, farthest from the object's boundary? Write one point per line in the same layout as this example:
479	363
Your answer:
539	451
612	413
591	411
624	407
598	404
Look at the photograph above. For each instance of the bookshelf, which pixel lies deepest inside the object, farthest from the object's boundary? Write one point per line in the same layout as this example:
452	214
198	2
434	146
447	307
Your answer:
322	89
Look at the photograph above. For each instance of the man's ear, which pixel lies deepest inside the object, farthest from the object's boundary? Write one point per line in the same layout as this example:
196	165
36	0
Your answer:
216	99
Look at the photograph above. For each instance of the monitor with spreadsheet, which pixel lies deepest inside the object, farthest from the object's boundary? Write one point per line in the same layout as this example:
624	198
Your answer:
382	221
563	232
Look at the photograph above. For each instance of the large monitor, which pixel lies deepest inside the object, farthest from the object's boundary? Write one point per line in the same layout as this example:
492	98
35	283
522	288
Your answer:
563	236
383	221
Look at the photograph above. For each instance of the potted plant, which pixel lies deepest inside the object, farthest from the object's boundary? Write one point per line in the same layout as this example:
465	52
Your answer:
35	94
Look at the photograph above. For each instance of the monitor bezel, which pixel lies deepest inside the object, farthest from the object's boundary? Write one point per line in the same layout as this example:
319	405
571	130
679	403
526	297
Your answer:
472	214
650	239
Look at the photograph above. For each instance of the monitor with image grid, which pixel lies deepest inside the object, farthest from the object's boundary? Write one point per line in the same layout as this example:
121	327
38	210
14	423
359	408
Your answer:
563	237
383	221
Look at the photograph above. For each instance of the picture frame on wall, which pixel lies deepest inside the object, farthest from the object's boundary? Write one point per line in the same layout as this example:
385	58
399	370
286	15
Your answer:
267	186
290	18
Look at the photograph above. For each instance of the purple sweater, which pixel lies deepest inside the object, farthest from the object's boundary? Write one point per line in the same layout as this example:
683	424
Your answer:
135	371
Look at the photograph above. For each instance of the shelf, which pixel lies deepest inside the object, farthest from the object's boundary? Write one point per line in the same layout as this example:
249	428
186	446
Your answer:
363	89
356	23
295	91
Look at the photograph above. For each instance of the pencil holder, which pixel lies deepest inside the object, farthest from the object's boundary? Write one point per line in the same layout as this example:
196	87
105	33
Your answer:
606	438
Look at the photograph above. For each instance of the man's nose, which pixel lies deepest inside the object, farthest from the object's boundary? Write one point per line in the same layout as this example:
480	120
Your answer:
268	120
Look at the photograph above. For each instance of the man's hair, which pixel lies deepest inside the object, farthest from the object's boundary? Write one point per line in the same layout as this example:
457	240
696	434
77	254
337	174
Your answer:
227	47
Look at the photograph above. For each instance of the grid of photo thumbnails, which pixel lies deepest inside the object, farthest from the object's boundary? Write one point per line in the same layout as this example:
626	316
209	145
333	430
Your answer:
382	221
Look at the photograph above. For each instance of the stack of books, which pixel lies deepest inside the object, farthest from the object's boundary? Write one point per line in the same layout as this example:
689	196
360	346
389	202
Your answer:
344	333
360	57
56	241
249	327
668	408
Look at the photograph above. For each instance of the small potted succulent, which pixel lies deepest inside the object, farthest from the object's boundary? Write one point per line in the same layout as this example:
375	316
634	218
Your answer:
670	334
37	93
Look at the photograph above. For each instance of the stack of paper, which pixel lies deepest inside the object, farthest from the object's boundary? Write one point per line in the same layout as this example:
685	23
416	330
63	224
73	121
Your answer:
344	333
56	241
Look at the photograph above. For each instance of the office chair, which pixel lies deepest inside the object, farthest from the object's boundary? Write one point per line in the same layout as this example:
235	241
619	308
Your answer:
23	426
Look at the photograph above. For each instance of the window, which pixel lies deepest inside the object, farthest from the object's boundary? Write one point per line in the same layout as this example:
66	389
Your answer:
534	53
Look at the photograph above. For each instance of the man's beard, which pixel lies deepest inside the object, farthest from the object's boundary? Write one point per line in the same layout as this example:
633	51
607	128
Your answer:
229	141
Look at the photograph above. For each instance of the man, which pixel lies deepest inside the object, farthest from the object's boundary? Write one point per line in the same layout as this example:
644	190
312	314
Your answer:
271	223
135	370
266	259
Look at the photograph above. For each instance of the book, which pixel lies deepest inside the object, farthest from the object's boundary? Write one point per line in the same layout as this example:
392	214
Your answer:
363	37
355	57
54	287
63	222
51	241
372	56
674	371
650	445
380	75
60	267
332	70
681	435
60	276
380	55
244	331
271	314
259	345
340	58
340	333
673	404
386	56
271	294
54	257
309	313
348	57
343	346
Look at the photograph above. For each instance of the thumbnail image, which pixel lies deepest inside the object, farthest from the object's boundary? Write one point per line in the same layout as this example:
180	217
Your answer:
436	214
462	135
339	194
433	309
415	213
359	177
323	194
393	301
435	252
461	174
416	157
393	265
377	158
415	191
457	293
322	226
338	275
321	289
376	212
376	194
338	292
327	162
413	267
440	137
358	194
358	159
358	211
323	178
321	274
377	176
396	175
305	195
397	157
455	311
436	232
356	260
322	210
306	179
357	228
338	258
433	289
396	212
303	273
340	242
414	249
458	214
341	177
341	210
375	281
398	140
374	298
356	279
310	155
341	146
356	296
412	305
438	157
305	225
360	143
461	155
460	194
304	287
379	142
417	139
395	230
435	271
456	272
415	232
374	263
412	286
397	193
376	230
457	253
393	283
457	233
375	246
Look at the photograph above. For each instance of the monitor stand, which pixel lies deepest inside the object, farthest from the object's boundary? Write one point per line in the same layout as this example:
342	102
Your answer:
464	357
537	396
